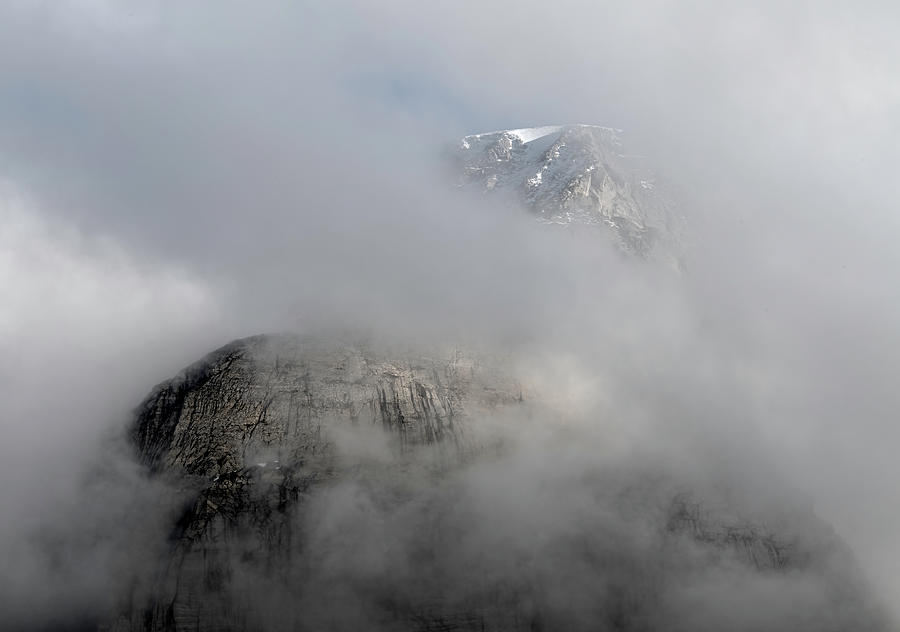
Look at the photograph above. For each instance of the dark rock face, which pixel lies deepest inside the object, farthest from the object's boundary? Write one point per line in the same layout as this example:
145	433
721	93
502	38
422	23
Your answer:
266	393
331	486
756	545
248	429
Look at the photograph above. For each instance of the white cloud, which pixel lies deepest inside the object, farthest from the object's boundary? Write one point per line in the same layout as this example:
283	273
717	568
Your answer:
86	328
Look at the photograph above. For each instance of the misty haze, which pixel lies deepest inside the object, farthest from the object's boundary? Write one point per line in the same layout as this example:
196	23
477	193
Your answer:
456	316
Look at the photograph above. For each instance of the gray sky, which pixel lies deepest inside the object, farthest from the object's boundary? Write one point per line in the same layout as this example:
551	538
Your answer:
179	174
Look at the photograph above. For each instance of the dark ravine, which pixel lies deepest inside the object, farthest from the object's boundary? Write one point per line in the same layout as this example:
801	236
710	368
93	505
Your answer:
326	487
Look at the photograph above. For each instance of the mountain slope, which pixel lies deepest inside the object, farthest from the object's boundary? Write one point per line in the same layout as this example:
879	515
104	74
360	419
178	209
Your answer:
333	483
575	175
333	486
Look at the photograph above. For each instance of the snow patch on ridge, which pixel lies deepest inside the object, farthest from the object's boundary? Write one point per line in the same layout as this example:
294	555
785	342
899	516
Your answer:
529	134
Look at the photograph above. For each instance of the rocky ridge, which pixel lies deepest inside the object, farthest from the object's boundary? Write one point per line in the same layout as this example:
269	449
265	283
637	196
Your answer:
575	175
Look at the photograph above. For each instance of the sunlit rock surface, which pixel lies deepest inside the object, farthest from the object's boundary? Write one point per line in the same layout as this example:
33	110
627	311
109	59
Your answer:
576	175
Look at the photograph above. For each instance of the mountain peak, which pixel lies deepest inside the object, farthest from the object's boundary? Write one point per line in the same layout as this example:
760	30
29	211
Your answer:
528	134
574	174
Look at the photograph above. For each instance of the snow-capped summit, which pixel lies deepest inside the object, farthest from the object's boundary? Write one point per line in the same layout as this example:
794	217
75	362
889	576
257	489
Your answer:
574	174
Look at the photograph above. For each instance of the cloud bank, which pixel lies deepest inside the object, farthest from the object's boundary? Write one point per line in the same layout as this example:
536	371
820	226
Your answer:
180	175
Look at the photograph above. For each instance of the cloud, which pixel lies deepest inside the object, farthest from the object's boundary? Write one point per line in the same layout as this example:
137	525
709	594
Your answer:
84	328
185	174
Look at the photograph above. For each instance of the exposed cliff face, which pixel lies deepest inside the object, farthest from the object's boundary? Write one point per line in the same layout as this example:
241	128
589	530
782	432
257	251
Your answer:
576	175
252	429
331	486
275	393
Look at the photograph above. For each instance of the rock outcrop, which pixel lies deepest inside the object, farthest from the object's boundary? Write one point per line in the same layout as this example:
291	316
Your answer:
330	486
576	175
250	430
277	393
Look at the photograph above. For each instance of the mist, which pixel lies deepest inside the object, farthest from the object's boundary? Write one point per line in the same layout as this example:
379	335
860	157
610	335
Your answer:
174	177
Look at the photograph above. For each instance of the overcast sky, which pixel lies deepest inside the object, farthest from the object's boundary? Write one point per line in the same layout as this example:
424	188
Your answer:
175	175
